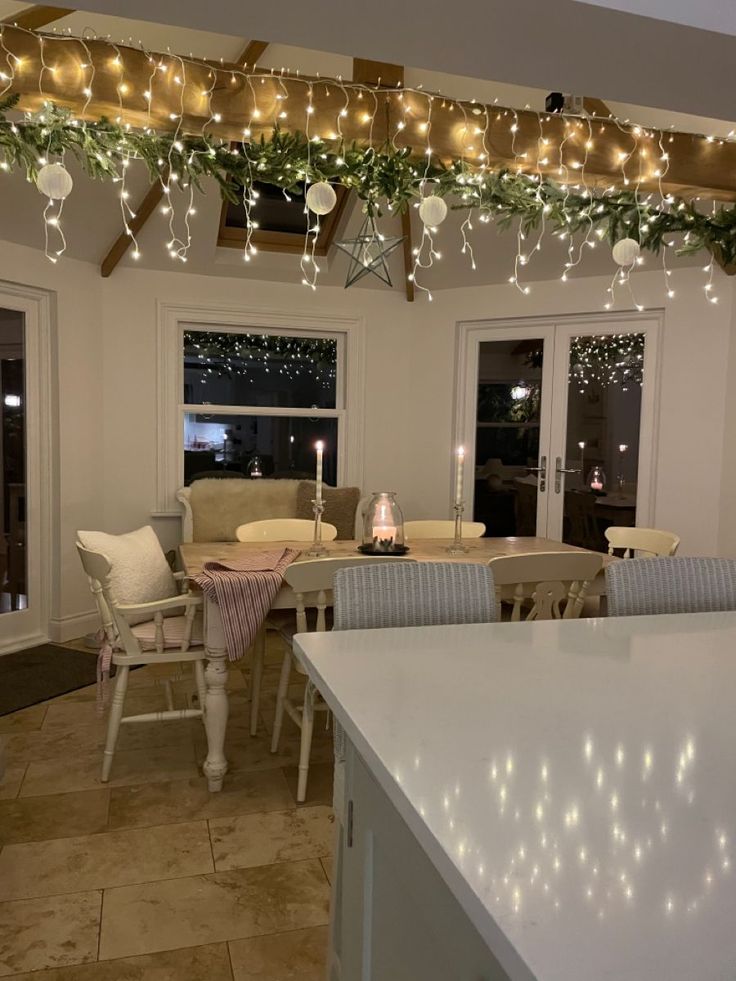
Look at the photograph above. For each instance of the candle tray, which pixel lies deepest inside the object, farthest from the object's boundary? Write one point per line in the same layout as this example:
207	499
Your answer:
393	550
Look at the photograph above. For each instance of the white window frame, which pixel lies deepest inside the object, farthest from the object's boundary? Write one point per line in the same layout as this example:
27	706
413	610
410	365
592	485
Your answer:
175	319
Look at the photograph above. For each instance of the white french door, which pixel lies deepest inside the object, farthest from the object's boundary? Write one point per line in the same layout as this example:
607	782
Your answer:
26	474
559	417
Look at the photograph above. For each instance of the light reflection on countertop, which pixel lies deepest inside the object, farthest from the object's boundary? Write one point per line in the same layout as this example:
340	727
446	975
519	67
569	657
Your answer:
587	802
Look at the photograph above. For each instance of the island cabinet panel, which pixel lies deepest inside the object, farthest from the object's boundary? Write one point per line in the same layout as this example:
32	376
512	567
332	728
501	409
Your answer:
394	918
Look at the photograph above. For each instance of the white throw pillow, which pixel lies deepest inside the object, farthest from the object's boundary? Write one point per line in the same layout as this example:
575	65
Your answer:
139	570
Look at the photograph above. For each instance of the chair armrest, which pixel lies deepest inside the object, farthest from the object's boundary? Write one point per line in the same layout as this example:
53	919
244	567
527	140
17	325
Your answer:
182	581
184	600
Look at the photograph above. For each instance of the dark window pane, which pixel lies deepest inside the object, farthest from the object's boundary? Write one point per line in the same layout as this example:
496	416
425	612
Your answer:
274	211
13	534
260	369
284	445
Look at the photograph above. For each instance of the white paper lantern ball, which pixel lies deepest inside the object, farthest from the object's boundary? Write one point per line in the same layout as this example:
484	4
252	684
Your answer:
321	198
626	252
433	210
55	181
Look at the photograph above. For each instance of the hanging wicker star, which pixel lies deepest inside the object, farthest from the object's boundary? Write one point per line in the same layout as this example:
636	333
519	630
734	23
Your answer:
368	252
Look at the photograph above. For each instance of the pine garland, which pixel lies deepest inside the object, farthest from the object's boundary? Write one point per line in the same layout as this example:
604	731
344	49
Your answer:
385	174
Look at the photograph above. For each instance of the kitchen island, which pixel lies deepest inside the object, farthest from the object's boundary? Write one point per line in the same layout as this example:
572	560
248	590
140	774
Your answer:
551	801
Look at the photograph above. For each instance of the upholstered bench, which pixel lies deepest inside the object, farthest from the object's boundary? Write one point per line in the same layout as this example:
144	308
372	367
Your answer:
213	508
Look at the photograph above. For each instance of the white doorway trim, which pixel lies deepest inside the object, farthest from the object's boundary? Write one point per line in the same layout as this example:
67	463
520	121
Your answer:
20	630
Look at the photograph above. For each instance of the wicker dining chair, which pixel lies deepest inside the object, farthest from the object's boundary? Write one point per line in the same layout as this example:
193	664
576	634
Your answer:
312	583
670	585
421	594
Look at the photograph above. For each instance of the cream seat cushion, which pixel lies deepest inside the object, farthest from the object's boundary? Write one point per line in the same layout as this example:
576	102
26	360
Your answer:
174	628
139	571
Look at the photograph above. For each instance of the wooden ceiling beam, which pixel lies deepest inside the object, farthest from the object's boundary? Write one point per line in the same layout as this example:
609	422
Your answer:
509	138
251	53
33	18
142	213
596	107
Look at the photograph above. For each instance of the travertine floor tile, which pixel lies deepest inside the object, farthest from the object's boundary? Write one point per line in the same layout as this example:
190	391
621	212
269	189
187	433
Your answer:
327	865
297	956
209	963
11	782
190	800
211	908
245	752
27	718
59	742
69	713
128	768
279	836
39	933
319	784
59	816
64	865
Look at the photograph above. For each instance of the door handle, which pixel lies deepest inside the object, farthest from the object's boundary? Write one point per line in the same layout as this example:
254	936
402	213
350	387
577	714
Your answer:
559	470
542	471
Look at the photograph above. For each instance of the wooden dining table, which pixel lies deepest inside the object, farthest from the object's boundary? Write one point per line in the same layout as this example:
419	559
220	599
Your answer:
194	555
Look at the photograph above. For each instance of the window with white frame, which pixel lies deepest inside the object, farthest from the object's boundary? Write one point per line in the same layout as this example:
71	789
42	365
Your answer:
256	401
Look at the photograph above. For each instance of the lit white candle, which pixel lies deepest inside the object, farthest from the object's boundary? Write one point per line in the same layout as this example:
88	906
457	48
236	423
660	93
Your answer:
459	475
382	529
320	451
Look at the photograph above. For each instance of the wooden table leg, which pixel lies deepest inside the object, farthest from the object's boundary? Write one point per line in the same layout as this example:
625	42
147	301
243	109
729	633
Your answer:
216	700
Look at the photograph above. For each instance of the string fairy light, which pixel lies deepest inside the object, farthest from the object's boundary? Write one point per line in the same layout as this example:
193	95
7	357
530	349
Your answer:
570	205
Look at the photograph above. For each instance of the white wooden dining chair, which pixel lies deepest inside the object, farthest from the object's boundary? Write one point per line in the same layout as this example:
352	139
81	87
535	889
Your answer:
548	579
273	530
283	530
159	639
645	543
312	584
416	530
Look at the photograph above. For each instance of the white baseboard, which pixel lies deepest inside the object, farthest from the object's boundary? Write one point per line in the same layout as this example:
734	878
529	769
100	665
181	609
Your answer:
21	643
73	626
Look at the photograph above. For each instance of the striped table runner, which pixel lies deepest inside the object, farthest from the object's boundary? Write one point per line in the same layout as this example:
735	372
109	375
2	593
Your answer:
244	590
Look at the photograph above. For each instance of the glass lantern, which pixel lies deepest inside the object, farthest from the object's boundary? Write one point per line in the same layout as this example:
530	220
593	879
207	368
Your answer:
383	525
255	467
596	481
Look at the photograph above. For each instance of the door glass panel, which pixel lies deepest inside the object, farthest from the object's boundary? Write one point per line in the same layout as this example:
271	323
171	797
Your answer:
13	532
507	435
603	421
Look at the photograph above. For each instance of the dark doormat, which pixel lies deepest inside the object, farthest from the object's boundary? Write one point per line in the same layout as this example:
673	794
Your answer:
40	673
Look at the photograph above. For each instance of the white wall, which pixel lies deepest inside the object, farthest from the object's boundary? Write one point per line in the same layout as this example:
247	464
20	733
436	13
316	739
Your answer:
107	393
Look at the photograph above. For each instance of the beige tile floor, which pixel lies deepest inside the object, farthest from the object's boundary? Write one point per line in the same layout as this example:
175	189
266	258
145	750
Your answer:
150	877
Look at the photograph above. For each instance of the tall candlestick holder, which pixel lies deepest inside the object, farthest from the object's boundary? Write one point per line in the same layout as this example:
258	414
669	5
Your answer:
457	547
317	549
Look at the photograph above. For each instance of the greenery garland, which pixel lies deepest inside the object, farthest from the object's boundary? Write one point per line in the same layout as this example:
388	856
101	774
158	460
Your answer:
376	174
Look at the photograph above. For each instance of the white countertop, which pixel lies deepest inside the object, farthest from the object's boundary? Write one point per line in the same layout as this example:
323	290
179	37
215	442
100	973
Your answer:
573	782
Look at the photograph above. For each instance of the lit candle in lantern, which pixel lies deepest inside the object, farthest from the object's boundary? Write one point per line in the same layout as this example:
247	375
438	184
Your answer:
459	475
320	451
382	530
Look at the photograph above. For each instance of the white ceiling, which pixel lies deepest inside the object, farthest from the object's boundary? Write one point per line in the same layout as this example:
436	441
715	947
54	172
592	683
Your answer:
711	15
